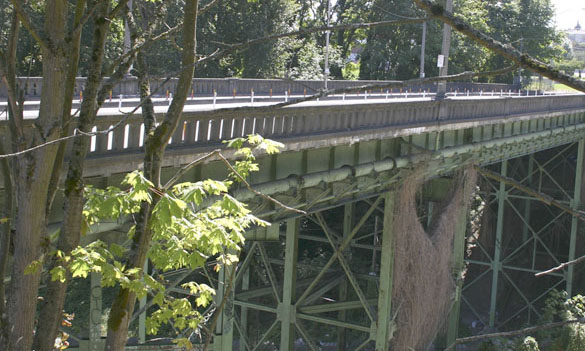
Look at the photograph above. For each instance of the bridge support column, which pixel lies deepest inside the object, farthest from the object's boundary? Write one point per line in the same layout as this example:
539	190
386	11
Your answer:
348	214
496	263
142	316
287	309
528	202
224	331
385	325
575	204
459	242
95	313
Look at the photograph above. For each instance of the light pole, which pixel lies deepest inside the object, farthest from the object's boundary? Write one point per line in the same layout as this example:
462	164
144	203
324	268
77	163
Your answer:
127	43
327	33
446	45
422	50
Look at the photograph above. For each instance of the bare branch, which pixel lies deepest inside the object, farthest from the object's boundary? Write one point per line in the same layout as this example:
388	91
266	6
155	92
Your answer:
249	187
398	84
207	7
187	167
305	31
506	50
76	133
367	87
116	10
25	20
83	20
561	266
538	196
512	333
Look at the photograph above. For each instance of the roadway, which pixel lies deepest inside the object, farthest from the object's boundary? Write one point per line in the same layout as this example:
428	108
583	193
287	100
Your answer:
122	105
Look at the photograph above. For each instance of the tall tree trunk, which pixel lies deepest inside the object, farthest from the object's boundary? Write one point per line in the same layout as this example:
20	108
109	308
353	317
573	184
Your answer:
52	306
5	234
123	305
9	72
67	103
33	172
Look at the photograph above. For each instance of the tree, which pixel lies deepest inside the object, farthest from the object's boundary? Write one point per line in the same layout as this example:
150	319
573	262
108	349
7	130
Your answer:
33	167
395	53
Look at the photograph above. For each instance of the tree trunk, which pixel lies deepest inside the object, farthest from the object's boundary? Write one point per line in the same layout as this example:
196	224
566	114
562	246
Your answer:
123	305
33	172
52	307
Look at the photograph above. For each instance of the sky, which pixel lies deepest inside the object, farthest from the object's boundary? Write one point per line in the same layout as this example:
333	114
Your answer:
568	12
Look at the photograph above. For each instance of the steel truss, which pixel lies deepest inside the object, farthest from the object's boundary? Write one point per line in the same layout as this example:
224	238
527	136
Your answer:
526	236
324	283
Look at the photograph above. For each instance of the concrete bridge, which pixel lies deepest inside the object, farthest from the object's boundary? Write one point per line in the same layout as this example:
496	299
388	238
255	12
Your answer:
325	281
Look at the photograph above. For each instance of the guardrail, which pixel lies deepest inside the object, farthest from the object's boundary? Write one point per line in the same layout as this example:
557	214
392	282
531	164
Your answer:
205	129
33	86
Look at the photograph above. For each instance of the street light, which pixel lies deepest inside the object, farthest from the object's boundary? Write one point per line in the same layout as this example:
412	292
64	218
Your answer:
444	57
327	33
422	50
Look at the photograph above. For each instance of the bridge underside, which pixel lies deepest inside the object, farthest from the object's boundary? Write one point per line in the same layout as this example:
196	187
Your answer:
324	281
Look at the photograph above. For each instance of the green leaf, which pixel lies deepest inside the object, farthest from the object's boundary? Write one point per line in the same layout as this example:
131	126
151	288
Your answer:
33	267
59	274
236	143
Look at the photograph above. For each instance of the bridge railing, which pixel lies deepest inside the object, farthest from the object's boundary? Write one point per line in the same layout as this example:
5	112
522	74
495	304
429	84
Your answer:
206	129
33	86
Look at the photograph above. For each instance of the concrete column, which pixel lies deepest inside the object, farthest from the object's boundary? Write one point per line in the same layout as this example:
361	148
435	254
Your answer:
287	309
142	316
224	331
384	324
95	313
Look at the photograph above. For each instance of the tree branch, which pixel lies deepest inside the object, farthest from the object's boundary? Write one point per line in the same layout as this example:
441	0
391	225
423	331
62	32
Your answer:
561	266
249	187
506	50
187	167
406	83
512	333
367	87
83	20
207	7
538	196
25	20
116	10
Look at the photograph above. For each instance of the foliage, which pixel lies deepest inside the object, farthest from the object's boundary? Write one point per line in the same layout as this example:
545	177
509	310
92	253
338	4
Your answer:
192	222
559	307
394	52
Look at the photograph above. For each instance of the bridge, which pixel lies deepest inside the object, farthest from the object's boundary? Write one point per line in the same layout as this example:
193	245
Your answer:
325	280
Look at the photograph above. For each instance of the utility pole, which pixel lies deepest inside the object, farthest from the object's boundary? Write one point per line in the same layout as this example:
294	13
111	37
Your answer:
127	43
422	50
443	68
327	33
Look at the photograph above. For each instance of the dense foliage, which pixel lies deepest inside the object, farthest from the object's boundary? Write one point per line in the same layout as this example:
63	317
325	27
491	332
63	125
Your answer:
381	53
